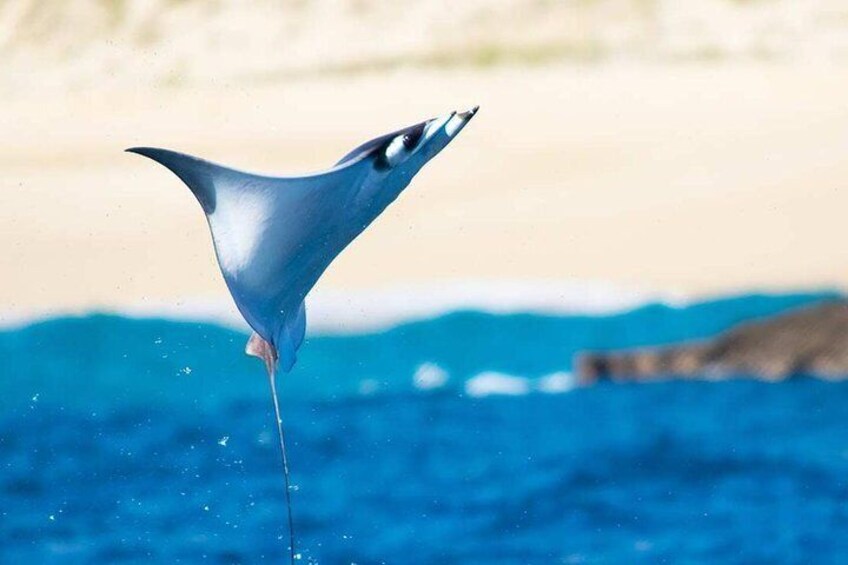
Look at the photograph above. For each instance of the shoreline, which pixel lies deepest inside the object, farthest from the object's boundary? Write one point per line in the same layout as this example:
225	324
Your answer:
333	312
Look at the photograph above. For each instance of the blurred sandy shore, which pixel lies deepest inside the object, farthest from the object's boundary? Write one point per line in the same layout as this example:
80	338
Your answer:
697	178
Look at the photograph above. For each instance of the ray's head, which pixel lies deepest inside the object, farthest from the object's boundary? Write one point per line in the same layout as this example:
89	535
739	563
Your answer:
402	153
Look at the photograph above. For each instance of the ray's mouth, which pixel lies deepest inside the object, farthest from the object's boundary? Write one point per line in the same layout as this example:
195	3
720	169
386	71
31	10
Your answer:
468	114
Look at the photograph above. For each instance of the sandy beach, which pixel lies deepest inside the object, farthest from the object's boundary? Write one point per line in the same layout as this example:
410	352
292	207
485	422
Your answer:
694	180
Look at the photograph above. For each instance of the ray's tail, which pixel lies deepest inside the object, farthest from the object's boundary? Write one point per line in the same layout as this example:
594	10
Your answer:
282	435
258	347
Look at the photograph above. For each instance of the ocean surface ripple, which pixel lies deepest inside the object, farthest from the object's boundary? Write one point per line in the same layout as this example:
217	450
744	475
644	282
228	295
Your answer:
461	439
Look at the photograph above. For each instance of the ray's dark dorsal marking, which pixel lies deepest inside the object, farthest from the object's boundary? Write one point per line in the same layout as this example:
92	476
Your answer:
275	236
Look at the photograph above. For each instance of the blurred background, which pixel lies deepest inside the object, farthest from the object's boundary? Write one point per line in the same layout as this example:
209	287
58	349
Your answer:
606	325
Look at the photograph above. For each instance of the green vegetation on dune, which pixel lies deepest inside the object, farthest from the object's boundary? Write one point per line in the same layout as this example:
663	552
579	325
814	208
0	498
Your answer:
182	41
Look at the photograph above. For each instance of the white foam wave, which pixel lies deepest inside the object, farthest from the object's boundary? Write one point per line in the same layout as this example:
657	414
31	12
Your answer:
494	383
429	376
556	383
489	383
332	311
346	312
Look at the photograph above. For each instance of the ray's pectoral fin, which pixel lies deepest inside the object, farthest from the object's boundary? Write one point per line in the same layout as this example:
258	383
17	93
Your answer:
258	347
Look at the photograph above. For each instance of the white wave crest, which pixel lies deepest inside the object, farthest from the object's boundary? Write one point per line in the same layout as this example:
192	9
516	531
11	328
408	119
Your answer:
494	383
429	376
489	383
333	312
349	312
556	383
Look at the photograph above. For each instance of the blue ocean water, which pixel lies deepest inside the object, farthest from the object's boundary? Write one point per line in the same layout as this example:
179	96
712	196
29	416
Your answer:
125	440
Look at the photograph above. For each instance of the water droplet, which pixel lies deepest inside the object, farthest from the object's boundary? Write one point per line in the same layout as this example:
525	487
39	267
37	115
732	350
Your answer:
206	508
35	397
52	518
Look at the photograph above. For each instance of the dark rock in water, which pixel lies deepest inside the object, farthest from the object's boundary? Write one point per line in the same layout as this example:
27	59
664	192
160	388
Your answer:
810	341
